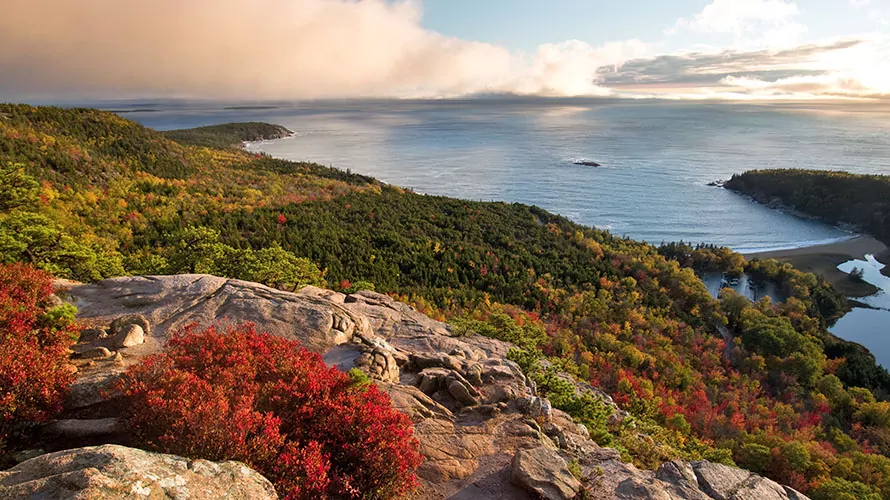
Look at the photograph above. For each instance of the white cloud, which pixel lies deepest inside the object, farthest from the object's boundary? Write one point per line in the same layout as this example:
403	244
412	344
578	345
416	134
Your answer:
753	23
271	49
860	3
827	85
857	72
570	68
848	68
738	16
305	49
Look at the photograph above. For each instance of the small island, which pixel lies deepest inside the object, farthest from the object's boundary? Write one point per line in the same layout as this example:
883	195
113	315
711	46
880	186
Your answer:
587	163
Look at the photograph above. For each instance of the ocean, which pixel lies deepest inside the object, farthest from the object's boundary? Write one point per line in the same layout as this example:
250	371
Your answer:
657	157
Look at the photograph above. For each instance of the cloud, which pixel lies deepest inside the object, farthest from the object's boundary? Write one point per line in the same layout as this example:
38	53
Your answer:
571	68
737	16
712	67
313	49
843	68
270	49
760	23
826	85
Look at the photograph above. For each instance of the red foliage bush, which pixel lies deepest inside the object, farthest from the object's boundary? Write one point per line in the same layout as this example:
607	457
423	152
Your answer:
33	350
266	401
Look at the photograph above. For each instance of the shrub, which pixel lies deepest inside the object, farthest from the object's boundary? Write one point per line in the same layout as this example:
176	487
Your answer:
841	489
266	401
359	377
360	286
34	340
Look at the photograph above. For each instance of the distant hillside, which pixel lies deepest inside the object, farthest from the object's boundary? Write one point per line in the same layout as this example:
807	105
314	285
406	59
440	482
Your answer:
228	135
89	195
835	197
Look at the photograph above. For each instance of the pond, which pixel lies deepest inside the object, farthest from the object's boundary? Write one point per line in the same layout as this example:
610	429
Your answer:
869	327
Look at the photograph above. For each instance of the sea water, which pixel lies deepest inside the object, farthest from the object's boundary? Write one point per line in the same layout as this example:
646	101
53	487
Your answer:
869	327
657	157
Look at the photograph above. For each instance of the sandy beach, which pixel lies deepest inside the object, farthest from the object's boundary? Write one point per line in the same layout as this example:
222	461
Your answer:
824	259
857	248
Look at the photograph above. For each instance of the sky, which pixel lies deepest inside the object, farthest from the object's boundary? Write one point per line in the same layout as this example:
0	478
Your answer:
316	49
526	24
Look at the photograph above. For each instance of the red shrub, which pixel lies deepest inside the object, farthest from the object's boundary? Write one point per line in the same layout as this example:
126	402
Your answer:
33	350
268	402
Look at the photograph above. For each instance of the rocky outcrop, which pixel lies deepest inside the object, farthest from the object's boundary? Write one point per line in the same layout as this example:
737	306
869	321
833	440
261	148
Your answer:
113	472
704	480
544	472
587	163
721	482
483	429
173	302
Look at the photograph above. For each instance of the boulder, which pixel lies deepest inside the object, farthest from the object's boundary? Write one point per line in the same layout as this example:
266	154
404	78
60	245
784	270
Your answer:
378	363
130	335
431	380
722	482
460	392
92	334
537	407
502	394
139	320
473	374
113	472
545	473
676	471
95	353
438	360
719	481
93	385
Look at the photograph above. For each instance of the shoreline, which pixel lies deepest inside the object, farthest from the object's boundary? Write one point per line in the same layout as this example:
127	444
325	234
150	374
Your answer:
856	247
823	260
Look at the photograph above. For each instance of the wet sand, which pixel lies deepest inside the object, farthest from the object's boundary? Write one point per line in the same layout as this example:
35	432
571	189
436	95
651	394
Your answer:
824	259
